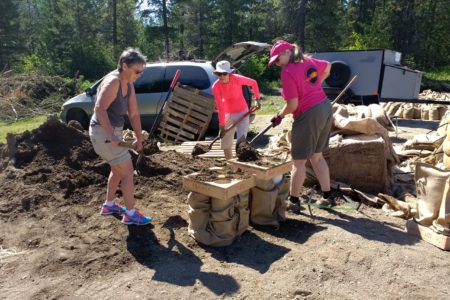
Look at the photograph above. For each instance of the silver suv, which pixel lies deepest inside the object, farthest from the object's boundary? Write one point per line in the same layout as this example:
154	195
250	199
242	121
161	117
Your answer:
153	85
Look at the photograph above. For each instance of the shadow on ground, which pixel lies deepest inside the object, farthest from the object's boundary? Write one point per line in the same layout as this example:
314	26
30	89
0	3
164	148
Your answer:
175	264
369	228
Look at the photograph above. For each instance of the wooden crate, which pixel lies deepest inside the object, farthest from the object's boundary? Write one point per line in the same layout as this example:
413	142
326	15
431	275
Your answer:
187	115
261	172
428	235
219	189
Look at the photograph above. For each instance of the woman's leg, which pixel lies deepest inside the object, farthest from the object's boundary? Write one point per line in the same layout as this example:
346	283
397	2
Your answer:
113	183
320	167
298	177
228	153
125	171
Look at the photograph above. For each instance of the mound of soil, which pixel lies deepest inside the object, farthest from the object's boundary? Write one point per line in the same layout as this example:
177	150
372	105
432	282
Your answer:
245	152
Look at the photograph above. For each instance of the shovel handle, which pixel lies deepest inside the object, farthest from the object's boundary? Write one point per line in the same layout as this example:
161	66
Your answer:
261	133
250	111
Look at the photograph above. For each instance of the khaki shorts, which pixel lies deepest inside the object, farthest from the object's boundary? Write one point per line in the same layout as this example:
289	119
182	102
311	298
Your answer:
241	129
112	154
311	131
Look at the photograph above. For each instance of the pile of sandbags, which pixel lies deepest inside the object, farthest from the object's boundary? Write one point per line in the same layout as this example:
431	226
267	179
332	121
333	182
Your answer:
431	112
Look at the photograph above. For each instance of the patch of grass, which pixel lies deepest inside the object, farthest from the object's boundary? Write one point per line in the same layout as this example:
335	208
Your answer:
20	126
271	105
439	74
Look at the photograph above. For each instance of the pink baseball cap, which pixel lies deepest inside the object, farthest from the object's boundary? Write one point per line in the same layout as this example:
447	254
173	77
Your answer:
277	49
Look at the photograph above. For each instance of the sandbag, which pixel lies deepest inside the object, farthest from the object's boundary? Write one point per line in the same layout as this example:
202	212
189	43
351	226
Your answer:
268	207
433	113
425	112
391	112
363	111
430	185
379	114
408	111
244	213
442	223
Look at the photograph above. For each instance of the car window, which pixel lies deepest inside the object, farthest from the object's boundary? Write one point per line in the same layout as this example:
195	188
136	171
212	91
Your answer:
190	75
151	81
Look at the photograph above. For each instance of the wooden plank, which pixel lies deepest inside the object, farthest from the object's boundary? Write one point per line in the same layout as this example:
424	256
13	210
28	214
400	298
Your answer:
428	235
262	172
170	137
188	105
222	189
178	131
195	114
205	102
183	126
178	114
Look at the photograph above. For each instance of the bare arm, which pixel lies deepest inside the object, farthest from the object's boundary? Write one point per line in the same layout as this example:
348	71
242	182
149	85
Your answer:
135	119
106	96
290	106
326	72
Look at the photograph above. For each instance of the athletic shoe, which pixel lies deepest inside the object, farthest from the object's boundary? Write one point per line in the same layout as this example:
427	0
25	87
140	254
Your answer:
111	210
136	219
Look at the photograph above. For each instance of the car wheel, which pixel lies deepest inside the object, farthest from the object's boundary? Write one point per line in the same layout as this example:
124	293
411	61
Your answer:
339	74
78	115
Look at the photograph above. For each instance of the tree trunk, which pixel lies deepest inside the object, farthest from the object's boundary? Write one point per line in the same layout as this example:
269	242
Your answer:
166	29
301	23
114	25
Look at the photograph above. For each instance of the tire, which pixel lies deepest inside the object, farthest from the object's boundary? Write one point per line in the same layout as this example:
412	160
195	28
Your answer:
339	74
78	115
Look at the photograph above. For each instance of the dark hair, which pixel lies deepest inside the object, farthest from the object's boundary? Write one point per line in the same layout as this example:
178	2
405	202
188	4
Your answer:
131	56
297	55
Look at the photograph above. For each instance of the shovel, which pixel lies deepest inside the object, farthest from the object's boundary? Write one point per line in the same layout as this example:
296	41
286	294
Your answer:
202	149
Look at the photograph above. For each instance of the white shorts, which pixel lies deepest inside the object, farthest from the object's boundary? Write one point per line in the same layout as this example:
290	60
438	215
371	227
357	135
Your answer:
241	129
112	154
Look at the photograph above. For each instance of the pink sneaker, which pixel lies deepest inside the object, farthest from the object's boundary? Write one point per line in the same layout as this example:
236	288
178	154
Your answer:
136	219
111	210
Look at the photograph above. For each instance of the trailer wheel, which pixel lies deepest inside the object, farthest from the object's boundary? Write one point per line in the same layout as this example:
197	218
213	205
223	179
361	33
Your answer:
339	74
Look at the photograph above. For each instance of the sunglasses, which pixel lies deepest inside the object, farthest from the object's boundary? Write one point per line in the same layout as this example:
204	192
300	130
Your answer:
138	72
221	74
279	55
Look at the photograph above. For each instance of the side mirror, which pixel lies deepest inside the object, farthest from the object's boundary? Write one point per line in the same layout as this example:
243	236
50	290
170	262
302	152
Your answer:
90	91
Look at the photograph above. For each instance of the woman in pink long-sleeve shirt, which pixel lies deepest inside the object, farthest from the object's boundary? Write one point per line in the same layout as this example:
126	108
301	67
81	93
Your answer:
231	104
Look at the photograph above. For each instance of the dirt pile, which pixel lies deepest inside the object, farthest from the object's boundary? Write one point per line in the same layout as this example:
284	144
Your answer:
245	152
54	182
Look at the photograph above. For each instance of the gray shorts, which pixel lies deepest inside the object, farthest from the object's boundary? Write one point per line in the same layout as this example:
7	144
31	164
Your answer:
311	131
112	154
241	129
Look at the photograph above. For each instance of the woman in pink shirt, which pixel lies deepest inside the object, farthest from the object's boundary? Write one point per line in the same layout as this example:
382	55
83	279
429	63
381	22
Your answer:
301	80
231	104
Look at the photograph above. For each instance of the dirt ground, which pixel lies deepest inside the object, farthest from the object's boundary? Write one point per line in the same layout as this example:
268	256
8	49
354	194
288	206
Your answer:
55	245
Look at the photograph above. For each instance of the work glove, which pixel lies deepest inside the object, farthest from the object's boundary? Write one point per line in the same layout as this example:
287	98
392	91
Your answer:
221	131
276	120
258	103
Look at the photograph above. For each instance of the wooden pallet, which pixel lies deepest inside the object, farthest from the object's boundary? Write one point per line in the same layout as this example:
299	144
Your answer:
261	172
186	148
220	189
428	235
187	115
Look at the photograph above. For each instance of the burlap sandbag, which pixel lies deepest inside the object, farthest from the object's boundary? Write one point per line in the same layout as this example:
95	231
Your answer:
268	207
244	213
442	223
442	112
393	109
430	185
340	109
379	114
363	111
198	211
408	111
283	193
263	206
425	112
433	113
